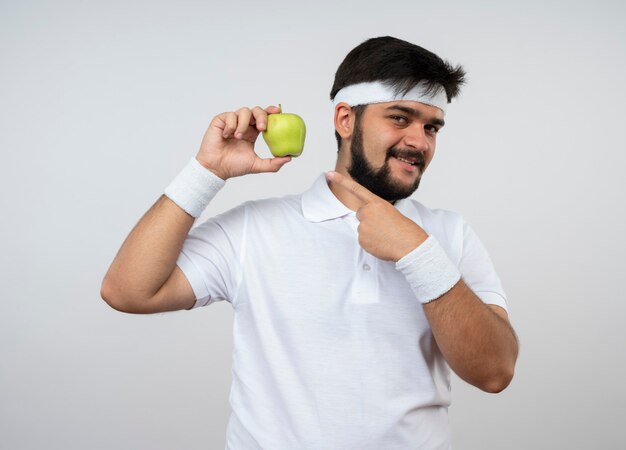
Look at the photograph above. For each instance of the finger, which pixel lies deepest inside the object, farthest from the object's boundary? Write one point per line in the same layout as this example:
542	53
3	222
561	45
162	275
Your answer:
230	124
272	109
351	186
243	122
269	164
260	117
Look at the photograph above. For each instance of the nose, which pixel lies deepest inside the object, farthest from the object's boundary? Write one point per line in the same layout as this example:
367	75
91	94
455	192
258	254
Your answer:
416	138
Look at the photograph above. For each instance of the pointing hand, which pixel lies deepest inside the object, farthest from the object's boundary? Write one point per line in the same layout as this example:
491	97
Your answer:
383	231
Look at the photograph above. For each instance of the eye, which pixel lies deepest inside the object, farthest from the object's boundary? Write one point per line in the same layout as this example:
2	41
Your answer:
432	129
399	119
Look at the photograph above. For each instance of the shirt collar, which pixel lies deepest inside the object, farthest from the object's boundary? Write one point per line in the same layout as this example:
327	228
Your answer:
320	204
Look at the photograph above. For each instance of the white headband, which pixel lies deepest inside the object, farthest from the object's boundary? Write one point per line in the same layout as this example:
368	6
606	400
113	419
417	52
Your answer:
377	92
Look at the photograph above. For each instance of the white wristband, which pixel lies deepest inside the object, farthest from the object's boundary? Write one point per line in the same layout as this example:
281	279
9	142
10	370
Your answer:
429	271
194	187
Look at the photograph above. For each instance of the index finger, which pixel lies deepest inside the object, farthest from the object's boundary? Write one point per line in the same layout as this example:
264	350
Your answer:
260	115
359	191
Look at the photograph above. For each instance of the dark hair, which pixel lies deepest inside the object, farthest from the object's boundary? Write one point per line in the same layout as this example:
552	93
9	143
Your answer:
398	64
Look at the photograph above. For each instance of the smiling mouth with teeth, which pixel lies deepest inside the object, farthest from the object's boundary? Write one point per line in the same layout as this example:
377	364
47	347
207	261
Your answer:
413	163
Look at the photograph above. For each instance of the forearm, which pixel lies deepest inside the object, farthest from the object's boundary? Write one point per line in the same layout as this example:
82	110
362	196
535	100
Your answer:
148	255
478	344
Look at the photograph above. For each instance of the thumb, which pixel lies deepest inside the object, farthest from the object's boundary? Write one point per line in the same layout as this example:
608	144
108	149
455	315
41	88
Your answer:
270	164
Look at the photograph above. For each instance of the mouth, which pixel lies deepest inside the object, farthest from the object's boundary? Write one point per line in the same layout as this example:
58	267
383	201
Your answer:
410	161
408	164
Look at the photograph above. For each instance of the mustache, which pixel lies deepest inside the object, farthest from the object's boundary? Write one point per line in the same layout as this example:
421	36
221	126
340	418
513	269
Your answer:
407	154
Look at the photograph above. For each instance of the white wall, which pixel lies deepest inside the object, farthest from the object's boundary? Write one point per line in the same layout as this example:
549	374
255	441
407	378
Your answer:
102	103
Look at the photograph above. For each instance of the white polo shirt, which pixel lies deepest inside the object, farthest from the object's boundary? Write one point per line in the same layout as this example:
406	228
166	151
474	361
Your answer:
331	348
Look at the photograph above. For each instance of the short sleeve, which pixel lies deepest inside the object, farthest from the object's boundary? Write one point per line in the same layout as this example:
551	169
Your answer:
478	270
212	254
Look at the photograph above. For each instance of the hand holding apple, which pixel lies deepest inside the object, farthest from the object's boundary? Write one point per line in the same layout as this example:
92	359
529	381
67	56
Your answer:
227	148
285	134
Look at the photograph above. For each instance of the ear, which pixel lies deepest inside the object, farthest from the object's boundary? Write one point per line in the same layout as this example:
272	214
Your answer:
344	120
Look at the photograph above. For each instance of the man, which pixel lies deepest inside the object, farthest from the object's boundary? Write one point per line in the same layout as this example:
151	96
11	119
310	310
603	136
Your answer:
352	301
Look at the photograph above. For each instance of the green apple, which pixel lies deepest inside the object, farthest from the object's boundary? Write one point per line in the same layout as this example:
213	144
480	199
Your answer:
284	134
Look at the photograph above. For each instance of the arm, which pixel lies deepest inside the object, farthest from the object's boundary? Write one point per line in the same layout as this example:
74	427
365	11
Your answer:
143	277
476	340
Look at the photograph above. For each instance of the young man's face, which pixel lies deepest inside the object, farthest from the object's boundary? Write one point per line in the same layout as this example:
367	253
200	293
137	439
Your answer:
386	132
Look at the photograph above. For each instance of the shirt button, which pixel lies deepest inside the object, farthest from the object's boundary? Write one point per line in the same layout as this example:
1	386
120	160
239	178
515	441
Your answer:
366	267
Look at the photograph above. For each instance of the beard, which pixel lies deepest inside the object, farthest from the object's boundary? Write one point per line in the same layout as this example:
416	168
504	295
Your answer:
379	181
